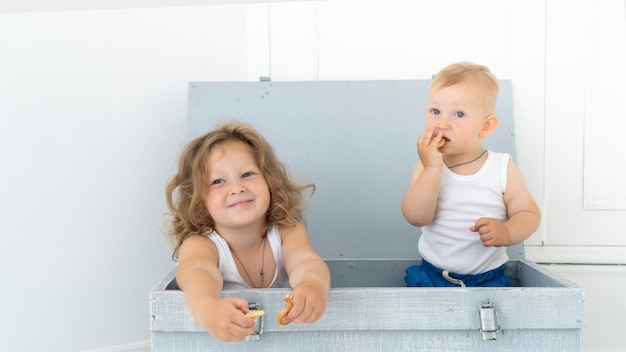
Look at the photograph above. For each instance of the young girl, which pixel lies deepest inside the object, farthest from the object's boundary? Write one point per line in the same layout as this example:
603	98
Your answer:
236	224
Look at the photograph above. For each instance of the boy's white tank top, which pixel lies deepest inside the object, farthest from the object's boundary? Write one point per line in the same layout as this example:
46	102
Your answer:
448	242
228	268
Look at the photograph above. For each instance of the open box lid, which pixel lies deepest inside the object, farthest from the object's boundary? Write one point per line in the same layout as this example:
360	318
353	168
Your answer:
356	140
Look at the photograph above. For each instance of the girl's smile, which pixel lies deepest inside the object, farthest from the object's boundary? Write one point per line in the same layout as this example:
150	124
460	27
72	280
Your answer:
239	202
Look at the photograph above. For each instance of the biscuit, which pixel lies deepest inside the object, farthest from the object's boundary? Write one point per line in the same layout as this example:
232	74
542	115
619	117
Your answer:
253	314
282	318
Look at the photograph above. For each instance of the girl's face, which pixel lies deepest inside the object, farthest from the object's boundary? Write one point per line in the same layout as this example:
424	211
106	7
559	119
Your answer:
238	195
458	112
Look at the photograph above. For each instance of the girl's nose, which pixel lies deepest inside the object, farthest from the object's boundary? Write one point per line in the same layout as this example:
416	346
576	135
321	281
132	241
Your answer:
237	188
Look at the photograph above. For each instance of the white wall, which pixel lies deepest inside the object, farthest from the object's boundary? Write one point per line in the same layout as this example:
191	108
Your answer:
93	113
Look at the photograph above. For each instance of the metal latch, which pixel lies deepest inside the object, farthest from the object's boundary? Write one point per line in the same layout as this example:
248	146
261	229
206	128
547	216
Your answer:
258	323
488	320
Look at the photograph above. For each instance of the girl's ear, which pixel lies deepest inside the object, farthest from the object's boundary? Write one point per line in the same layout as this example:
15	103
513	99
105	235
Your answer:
491	122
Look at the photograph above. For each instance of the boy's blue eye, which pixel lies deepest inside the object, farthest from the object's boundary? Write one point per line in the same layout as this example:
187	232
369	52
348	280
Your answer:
459	114
435	111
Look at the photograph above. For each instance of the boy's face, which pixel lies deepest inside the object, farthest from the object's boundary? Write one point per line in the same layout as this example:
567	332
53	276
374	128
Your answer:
459	113
238	194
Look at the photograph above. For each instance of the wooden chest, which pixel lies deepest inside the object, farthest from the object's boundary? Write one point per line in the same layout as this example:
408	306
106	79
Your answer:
356	141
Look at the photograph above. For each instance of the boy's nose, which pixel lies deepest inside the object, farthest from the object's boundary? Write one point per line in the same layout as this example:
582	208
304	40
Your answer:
443	125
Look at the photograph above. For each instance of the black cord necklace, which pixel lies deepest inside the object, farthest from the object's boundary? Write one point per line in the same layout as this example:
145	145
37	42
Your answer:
469	162
262	273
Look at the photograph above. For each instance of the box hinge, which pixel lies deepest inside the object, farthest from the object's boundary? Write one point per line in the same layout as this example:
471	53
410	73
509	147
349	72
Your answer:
488	320
258	323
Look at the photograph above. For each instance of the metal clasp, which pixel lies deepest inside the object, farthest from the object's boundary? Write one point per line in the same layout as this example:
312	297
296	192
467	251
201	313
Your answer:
488	320
258	323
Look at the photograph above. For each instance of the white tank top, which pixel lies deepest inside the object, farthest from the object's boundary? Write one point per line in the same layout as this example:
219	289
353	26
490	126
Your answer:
447	242
228	268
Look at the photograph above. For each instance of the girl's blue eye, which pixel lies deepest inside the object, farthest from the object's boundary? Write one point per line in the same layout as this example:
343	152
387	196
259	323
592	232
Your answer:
217	182
247	174
435	111
459	114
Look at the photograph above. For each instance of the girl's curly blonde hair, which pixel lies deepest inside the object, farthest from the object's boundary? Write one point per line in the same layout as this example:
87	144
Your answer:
187	189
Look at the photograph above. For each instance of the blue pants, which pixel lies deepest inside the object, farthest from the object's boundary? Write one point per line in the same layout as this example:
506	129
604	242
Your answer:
428	275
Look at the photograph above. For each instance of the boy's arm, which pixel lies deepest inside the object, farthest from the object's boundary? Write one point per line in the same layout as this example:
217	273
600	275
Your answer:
200	279
308	275
522	210
420	201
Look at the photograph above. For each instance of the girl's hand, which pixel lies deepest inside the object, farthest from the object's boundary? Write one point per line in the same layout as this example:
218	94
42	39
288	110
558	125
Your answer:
428	149
225	319
309	304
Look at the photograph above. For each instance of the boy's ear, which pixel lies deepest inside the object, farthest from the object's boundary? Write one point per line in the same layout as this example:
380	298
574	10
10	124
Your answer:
491	122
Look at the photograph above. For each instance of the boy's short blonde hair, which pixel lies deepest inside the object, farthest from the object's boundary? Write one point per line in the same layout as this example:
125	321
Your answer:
468	72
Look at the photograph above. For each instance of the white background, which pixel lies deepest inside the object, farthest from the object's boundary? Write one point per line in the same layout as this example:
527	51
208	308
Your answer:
93	115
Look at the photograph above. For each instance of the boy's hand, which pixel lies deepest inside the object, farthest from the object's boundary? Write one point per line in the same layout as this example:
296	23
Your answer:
492	232
309	304
428	149
225	319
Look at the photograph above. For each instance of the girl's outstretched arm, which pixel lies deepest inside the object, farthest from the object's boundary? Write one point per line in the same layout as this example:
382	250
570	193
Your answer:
201	281
308	275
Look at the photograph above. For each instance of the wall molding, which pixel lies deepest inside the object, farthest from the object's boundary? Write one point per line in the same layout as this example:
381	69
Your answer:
601	183
609	255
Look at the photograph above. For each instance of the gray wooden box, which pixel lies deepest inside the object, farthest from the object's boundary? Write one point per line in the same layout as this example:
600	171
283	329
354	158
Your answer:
356	141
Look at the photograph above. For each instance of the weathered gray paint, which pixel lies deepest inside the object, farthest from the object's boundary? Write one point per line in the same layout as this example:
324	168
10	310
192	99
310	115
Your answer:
546	302
376	341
